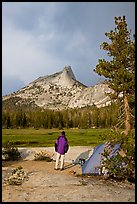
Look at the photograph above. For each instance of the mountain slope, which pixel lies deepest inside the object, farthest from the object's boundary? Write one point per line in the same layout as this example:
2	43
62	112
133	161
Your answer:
60	91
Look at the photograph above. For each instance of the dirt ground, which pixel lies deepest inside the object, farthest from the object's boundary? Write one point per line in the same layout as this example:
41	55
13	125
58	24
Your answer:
44	184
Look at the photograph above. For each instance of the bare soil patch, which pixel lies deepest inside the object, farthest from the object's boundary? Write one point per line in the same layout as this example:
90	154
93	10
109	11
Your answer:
44	184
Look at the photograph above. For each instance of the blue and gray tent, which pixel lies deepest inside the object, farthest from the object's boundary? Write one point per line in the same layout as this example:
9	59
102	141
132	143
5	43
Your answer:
95	160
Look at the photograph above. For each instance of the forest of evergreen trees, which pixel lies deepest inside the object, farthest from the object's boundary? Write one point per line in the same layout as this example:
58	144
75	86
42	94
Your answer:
88	117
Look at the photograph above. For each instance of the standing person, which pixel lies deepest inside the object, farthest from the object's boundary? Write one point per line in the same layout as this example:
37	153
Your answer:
61	147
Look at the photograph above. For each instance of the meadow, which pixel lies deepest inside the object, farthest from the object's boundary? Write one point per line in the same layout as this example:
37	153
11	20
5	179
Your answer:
31	137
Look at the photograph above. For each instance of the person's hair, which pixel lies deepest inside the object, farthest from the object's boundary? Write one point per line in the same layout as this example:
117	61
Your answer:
63	133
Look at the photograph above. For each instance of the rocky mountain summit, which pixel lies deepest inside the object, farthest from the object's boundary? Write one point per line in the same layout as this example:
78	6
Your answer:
60	91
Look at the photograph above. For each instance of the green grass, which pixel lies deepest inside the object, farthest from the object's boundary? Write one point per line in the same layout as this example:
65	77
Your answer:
46	137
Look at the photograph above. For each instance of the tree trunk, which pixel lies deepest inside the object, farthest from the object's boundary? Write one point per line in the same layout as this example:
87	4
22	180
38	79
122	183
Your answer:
127	116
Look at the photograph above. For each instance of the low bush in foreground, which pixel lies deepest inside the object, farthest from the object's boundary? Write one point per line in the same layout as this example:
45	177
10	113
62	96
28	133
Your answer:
17	176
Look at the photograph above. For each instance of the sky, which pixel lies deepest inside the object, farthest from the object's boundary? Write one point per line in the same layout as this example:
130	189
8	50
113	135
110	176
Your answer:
41	38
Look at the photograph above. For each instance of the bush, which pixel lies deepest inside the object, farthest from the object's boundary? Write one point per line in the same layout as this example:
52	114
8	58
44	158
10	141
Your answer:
17	176
122	166
10	152
43	155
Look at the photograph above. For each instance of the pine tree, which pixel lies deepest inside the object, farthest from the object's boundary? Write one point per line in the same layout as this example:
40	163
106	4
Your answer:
8	122
120	70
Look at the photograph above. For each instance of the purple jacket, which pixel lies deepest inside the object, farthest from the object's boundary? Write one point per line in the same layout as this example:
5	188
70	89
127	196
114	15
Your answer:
61	145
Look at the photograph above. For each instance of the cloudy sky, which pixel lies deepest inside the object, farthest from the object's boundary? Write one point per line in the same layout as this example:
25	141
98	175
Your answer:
41	38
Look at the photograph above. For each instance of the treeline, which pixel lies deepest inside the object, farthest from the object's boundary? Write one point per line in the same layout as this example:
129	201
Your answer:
88	117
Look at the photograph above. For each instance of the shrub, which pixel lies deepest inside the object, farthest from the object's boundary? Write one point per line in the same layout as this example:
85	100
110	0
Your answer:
122	166
43	155
17	176
10	152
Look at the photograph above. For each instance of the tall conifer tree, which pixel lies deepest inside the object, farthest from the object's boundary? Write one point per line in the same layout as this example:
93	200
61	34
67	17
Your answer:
120	70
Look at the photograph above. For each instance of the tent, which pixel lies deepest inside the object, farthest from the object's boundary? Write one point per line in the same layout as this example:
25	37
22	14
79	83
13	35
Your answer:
84	155
93	164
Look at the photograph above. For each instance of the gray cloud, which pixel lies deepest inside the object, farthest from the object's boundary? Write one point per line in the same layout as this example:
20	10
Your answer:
41	38
11	84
